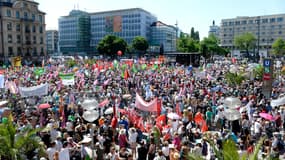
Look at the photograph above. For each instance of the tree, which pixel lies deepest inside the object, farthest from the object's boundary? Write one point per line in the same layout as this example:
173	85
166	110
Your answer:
187	44
18	145
279	47
111	44
194	35
140	43
234	79
245	41
210	45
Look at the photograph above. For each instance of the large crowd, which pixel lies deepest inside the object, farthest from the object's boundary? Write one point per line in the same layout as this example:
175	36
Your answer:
137	109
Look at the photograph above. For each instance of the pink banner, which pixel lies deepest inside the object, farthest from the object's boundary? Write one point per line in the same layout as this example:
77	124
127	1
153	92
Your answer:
146	106
104	103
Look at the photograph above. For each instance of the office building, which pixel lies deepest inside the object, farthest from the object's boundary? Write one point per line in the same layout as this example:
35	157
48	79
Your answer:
265	28
74	33
215	30
22	29
163	36
52	41
126	23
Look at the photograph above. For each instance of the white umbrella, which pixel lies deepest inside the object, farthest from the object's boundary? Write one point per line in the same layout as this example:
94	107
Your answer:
90	115
3	102
173	115
109	110
89	104
278	102
232	102
232	114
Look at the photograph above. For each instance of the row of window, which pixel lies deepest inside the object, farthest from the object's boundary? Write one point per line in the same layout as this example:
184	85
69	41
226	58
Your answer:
262	40
256	33
27	39
255	27
123	16
26	15
19	51
256	21
28	28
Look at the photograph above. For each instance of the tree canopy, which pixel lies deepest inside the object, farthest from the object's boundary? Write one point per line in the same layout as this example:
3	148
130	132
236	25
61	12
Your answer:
140	43
194	34
245	42
111	44
210	45
279	47
187	44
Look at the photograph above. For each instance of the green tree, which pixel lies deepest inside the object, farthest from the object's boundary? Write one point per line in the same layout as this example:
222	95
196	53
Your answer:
210	45
111	44
140	43
245	42
187	44
194	34
279	47
18	145
70	63
234	79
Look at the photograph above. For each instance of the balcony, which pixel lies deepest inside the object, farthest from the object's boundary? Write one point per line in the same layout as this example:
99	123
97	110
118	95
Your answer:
27	19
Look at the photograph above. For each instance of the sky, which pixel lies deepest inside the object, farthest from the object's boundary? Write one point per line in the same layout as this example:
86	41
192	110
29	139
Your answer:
188	13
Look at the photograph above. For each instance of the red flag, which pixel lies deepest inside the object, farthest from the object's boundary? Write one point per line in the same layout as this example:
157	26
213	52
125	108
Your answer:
126	74
199	120
158	107
160	121
178	109
140	124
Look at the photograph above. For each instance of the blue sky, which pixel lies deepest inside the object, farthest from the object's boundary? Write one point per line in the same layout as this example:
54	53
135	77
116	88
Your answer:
189	13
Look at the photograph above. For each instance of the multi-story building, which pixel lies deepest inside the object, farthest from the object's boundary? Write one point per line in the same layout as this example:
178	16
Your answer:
265	28
163	36
126	23
215	30
74	33
22	29
52	41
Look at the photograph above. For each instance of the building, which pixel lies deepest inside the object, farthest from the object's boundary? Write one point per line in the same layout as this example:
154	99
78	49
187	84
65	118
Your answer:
163	36
22	29
214	29
126	23
74	33
52	41
265	28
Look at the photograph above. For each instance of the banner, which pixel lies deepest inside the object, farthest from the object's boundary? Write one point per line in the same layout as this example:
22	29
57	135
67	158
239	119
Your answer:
39	90
67	79
146	106
11	85
2	81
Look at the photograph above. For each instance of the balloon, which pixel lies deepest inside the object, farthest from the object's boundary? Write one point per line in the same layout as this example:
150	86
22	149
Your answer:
4	120
91	115
119	53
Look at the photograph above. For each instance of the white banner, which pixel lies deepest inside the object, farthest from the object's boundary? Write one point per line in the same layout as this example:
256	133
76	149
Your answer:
68	82
39	90
2	81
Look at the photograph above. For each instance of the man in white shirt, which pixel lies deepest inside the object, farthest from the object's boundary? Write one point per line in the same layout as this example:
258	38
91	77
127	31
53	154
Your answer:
64	152
58	143
257	128
51	151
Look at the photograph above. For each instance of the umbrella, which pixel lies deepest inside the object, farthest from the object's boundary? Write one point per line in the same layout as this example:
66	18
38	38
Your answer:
3	102
173	115
267	116
278	102
44	106
5	111
109	110
232	102
90	115
89	104
232	114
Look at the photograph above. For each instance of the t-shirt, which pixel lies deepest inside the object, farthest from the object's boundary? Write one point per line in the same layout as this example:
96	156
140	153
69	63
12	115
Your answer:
50	153
64	154
209	115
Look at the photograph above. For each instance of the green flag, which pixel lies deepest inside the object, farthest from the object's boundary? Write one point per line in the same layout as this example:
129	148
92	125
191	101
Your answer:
124	66
39	71
143	67
115	64
155	67
123	74
67	79
134	69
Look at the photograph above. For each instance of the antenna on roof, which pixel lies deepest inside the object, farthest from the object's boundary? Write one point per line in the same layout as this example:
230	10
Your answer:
74	7
78	6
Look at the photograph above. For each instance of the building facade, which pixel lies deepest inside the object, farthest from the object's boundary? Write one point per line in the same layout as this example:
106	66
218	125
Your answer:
74	33
127	24
22	29
214	29
266	29
163	36
52	41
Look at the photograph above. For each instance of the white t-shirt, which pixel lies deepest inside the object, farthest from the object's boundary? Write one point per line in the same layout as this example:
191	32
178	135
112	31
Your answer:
133	137
165	151
257	127
69	126
50	153
58	145
64	154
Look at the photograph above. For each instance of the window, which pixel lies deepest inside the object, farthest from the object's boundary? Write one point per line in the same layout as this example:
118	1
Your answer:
18	39
18	27
264	20
280	19
34	29
9	26
8	13
250	21
41	29
42	51
272	20
34	39
280	26
25	15
10	51
40	18
231	23
27	29
19	51
243	22
41	40
10	38
33	17
280	32
18	14
237	22
34	51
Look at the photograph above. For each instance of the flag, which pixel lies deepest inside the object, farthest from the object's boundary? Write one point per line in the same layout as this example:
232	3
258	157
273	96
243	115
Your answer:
115	64
160	121
104	103
143	67
134	69
155	67
146	106
200	121
39	71
158	107
67	79
178	111
126	74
